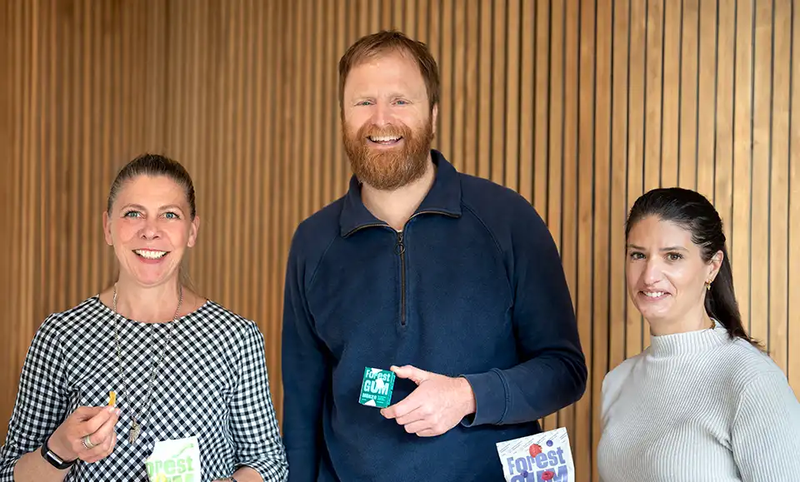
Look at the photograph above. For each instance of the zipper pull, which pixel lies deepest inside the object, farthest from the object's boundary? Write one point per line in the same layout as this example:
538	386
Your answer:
400	248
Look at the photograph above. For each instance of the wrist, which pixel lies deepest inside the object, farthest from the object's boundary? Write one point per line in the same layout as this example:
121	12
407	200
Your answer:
57	458
467	396
55	444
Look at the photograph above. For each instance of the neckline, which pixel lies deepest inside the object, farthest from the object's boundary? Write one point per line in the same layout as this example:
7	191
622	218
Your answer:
688	342
107	309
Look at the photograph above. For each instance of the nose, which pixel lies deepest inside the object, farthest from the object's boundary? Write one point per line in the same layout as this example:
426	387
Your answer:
381	114
652	272
151	229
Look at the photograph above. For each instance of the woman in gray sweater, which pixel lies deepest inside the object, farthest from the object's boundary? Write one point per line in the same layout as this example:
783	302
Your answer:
703	401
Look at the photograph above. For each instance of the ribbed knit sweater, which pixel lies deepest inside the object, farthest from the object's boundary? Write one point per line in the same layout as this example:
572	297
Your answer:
699	406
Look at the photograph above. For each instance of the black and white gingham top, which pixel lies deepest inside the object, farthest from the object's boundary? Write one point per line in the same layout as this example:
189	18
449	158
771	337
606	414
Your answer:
212	383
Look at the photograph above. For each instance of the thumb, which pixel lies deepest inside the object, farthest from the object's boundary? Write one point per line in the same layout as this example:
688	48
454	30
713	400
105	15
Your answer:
411	372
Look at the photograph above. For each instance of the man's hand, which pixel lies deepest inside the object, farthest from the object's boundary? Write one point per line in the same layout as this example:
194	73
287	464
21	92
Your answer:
435	406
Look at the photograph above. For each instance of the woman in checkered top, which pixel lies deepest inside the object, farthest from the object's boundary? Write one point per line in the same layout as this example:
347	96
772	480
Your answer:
181	366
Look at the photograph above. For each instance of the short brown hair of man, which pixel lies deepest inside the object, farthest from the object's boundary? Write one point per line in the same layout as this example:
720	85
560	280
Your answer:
388	41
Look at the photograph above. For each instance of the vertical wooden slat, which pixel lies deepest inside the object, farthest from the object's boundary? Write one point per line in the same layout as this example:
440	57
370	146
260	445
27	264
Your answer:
498	92
409	18
321	107
511	157
447	42
485	90
619	136
557	69
472	91
584	262
543	103
330	80
599	323
569	199
276	273
456	80
653	100
779	184
634	333
762	133
723	159
307	135
671	93
690	65
528	91
739	243
707	98
794	206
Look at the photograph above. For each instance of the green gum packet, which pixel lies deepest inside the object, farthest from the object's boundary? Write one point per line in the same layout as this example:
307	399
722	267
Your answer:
376	388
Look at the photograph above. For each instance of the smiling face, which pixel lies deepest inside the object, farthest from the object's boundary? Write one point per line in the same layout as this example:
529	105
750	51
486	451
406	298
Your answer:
387	121
666	275
150	226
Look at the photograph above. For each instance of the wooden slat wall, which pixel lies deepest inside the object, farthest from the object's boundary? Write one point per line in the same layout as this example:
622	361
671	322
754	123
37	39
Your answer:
580	106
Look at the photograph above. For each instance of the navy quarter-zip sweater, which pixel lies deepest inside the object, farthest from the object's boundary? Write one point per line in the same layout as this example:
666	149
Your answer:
472	286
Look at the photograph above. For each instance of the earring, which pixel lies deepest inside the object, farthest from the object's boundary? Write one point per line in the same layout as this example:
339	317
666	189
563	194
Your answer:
708	285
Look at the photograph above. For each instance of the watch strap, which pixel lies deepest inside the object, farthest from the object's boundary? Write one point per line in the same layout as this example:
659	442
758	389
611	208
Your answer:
54	459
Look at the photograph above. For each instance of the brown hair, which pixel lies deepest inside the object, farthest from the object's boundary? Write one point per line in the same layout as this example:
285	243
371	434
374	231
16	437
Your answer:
387	41
154	165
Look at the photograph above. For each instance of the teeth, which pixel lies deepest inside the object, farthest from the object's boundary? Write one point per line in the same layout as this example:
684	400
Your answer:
146	253
384	138
653	294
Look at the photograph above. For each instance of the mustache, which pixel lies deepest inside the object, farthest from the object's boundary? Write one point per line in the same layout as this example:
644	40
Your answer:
391	130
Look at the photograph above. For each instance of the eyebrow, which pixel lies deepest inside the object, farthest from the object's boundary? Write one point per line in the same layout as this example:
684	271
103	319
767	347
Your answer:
162	208
668	248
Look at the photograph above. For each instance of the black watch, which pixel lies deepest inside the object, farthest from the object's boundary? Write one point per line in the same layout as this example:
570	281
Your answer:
54	459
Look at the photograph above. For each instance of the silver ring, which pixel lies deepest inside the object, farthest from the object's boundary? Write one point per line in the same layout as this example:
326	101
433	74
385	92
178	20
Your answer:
88	443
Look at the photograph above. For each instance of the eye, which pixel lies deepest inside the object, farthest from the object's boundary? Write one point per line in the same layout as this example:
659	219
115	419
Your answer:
364	102
401	102
674	256
636	255
132	214
171	215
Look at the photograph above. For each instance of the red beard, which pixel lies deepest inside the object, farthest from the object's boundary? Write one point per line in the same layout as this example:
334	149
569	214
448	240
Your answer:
388	170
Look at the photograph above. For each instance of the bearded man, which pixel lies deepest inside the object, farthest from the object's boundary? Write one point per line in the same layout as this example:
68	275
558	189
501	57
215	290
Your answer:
450	281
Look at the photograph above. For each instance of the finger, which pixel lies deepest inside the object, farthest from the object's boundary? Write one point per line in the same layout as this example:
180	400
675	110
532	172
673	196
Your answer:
411	372
428	433
84	413
93	424
105	431
403	407
418	426
101	451
413	416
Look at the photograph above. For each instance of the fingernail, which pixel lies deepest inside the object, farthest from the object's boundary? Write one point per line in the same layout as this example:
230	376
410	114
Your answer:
110	409
117	411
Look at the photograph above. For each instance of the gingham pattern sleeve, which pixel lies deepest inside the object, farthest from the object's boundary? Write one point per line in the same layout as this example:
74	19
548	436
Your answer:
41	404
253	424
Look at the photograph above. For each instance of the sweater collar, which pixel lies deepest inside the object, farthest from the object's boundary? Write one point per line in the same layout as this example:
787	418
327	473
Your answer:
689	342
443	198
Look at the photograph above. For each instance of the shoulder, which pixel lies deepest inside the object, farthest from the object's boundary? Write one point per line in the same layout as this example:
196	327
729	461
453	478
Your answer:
226	321
740	363
508	216
318	229
90	310
485	197
617	377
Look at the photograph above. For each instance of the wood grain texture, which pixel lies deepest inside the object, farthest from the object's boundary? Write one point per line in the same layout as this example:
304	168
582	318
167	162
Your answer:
579	106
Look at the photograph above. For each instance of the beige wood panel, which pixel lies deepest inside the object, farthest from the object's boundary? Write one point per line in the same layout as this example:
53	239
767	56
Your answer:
578	106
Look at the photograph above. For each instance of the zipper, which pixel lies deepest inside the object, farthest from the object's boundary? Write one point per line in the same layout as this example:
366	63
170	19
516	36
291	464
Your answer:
400	249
